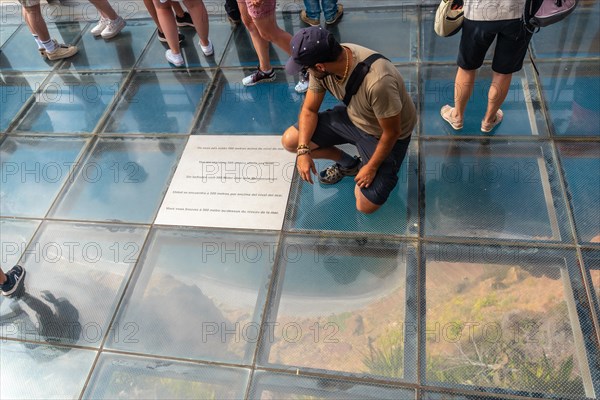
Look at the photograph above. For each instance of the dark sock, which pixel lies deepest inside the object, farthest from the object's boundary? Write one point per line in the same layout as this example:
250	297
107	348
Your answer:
347	161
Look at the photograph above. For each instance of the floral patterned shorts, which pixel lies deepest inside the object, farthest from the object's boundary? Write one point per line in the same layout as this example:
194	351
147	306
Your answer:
259	8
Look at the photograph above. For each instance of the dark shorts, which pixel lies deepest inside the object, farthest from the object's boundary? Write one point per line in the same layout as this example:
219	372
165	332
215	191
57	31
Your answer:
511	37
334	127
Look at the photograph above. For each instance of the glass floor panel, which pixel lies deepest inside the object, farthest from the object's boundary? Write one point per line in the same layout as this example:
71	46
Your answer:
570	90
71	103
220	31
341	307
161	102
222	275
476	189
117	171
260	109
484	234
25	366
119	377
367	27
500	318
15	90
521	109
120	52
268	386
15	235
18	53
6	31
581	164
73	285
319	207
33	172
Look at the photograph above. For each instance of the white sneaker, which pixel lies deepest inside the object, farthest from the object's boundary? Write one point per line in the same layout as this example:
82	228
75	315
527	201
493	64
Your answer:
208	50
102	24
175	59
113	28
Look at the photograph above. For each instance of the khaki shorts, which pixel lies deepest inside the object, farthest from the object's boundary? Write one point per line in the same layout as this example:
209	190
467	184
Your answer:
29	3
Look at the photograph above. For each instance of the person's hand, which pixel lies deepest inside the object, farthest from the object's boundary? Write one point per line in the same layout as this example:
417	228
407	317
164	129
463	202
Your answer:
306	165
255	3
365	176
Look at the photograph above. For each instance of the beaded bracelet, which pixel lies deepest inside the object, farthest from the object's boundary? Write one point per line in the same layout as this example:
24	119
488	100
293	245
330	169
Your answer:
302	147
302	152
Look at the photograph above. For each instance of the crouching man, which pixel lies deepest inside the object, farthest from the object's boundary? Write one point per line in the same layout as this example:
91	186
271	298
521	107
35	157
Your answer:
378	119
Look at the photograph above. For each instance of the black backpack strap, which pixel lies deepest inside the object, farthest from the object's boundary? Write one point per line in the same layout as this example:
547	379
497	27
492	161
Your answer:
358	75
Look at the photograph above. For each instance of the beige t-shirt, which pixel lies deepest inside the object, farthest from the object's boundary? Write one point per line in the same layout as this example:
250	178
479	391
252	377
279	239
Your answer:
381	95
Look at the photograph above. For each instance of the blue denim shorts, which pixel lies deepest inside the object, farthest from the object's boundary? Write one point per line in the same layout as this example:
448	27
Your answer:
334	128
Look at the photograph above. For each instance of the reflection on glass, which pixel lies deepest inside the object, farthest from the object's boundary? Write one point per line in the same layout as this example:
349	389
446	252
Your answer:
15	90
120	52
342	307
123	377
581	165
32	371
159	103
71	103
438	89
261	109
124	179
75	276
15	234
267	386
571	94
33	171
198	295
497	190
502	318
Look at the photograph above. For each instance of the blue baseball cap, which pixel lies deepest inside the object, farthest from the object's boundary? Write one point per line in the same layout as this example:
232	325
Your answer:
311	46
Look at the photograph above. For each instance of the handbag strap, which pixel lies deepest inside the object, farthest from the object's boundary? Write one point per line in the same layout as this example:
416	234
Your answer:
358	75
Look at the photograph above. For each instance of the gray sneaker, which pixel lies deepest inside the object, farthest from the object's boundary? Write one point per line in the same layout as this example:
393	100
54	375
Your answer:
113	28
61	51
335	173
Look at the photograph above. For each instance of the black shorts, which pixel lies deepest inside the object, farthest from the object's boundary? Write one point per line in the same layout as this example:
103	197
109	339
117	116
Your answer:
511	44
334	127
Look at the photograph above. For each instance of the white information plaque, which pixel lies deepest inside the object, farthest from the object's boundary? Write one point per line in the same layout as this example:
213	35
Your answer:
230	182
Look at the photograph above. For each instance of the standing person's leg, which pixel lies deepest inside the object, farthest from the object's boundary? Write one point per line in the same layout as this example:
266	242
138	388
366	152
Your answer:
233	11
271	32
475	40
152	11
332	11
261	46
48	48
182	17
311	15
34	20
12	281
168	24
199	15
511	47
110	24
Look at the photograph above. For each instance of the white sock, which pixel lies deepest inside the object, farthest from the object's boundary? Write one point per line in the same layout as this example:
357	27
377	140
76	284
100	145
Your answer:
38	41
49	45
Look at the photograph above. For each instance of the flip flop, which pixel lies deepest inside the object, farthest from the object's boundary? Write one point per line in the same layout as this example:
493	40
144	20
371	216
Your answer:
488	127
446	113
